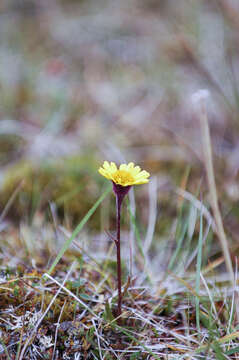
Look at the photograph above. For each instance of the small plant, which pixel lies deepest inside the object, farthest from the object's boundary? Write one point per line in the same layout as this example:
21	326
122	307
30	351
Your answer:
122	179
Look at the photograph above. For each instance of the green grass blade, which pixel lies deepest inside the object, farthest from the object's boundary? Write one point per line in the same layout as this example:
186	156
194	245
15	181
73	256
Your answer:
180	234
136	231
5	350
218	351
127	333
78	229
138	239
198	271
192	221
179	246
232	351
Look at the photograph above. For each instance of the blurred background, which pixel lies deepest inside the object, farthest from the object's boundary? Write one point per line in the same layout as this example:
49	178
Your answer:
86	81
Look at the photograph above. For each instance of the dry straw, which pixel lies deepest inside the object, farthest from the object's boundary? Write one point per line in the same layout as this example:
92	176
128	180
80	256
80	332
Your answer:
199	100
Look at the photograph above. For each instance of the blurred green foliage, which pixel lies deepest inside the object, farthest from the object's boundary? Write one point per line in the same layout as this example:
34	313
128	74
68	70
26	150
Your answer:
70	183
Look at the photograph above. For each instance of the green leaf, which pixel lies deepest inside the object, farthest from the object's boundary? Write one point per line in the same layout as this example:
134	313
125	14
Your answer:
135	356
78	283
108	313
85	296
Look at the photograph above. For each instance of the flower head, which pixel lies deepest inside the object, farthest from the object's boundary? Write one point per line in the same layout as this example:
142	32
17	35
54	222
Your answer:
125	175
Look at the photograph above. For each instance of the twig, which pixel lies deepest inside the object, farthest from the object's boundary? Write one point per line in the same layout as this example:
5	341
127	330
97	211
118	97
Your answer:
57	327
98	339
111	237
72	295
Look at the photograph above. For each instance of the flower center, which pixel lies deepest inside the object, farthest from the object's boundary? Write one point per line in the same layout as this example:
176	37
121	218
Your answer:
122	177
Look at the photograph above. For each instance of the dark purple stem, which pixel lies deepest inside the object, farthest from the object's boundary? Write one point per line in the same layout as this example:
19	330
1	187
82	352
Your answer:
120	193
119	200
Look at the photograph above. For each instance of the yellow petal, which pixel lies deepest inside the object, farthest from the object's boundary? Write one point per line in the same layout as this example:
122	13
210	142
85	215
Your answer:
143	174
106	165
113	166
141	181
136	170
123	167
104	173
130	166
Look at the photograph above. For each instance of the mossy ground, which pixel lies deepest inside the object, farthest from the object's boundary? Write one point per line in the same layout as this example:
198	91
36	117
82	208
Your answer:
81	320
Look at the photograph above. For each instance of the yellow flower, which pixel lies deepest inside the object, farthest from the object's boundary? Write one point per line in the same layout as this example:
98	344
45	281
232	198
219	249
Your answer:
126	175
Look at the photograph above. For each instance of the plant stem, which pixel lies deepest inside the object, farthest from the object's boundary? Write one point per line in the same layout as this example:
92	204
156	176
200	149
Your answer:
118	211
120	192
